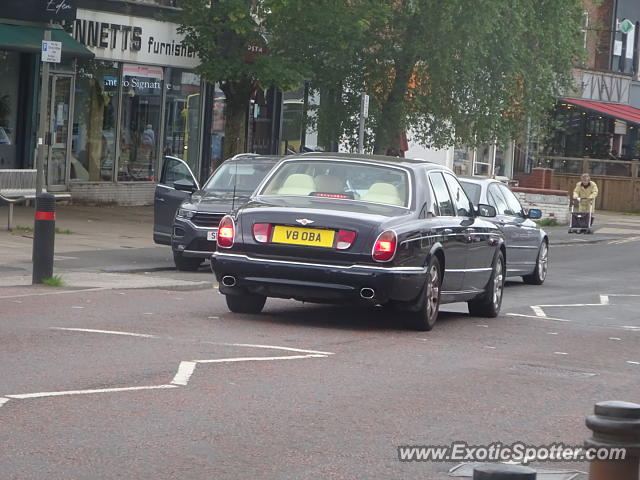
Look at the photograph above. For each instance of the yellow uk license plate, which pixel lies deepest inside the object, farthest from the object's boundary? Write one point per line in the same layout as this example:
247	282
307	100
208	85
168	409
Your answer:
314	237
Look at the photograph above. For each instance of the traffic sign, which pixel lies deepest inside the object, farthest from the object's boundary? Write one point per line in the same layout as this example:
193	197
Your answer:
51	51
626	26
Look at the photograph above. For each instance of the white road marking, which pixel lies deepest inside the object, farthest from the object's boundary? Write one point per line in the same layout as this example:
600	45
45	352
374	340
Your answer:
77	306
275	347
552	333
561	353
87	392
633	328
535	316
487	346
615	338
148	313
538	311
185	370
3	401
260	359
633	363
481	325
213	318
604	299
109	332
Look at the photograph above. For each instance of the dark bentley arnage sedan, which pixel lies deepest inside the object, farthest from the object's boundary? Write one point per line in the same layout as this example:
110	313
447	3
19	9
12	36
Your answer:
335	228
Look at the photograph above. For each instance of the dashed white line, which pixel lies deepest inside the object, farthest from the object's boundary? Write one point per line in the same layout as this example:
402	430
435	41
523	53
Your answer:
552	333
490	348
78	307
615	338
560	353
633	328
185	370
3	401
88	392
630	362
482	325
109	332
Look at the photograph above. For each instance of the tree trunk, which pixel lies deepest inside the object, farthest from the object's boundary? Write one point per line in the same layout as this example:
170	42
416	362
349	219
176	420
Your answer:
329	118
389	129
238	96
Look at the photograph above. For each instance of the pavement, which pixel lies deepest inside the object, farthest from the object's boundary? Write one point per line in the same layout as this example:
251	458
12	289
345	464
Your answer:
112	247
155	383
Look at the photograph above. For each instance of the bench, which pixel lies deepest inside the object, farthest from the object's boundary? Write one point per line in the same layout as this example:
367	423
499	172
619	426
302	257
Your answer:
17	186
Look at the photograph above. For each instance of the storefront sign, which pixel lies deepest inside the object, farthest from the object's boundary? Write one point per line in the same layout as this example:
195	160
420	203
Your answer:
601	86
51	51
39	10
133	39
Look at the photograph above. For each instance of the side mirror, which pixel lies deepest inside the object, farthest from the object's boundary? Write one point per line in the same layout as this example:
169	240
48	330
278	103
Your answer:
486	211
185	186
534	214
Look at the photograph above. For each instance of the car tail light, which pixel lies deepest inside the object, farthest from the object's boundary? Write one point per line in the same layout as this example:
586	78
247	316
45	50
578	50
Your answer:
385	247
262	232
345	239
226	232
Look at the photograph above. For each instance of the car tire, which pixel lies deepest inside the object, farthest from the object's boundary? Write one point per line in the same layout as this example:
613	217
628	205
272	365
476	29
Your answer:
245	303
186	264
539	274
489	303
428	305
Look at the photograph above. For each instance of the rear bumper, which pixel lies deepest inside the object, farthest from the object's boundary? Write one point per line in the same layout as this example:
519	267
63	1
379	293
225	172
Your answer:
315	281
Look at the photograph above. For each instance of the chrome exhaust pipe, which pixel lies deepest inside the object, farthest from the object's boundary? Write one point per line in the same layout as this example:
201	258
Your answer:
367	293
229	281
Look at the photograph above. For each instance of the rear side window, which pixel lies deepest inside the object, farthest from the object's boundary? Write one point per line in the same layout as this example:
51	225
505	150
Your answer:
441	193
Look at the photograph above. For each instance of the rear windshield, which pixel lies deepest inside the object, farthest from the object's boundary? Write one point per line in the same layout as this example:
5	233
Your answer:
472	190
244	177
341	180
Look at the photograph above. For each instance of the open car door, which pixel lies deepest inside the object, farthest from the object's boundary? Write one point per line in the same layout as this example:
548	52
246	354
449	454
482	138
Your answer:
167	198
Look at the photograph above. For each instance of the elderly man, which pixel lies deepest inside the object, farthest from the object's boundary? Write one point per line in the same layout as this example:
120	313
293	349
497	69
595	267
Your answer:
585	192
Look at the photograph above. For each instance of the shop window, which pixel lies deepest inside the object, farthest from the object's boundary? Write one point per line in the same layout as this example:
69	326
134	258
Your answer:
93	143
182	116
140	125
9	73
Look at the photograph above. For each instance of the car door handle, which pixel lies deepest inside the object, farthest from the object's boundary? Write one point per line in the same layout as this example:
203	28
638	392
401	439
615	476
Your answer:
470	230
447	231
160	199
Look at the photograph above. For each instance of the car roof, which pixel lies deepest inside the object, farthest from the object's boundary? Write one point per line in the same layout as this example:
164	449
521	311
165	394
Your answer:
378	159
254	157
479	180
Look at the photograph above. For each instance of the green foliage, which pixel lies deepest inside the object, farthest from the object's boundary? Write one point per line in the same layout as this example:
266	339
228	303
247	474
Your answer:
452	72
55	281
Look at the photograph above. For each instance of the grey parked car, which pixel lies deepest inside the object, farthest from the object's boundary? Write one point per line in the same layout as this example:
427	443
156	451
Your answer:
527	244
186	215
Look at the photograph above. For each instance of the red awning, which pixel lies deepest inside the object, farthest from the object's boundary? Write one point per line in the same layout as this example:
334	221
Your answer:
616	110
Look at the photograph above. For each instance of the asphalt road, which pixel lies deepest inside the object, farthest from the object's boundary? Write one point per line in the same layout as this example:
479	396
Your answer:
183	395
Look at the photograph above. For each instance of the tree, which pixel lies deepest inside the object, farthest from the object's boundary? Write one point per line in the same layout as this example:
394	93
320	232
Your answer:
454	72
223	32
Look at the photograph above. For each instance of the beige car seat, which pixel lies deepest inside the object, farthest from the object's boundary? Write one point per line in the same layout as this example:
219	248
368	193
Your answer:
298	184
329	184
383	193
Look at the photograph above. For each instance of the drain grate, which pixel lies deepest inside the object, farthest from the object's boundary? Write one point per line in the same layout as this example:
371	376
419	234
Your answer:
551	371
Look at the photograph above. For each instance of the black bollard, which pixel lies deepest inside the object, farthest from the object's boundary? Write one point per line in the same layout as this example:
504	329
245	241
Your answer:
44	232
615	425
503	472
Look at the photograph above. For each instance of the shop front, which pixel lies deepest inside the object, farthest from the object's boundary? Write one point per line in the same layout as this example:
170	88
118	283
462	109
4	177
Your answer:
135	102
